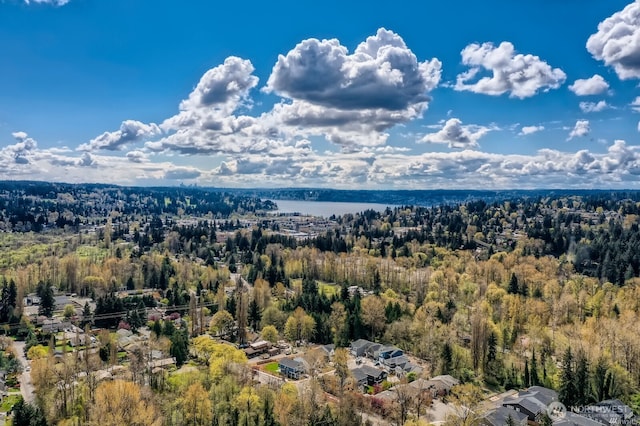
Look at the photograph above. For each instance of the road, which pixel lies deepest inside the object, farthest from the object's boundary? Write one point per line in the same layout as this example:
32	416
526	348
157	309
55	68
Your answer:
26	387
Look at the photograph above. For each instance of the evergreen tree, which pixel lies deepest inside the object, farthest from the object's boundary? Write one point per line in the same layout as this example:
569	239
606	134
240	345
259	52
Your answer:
169	328
492	343
13	293
179	347
25	414
47	299
447	358
377	282
157	328
513	285
583	395
526	377
535	379
86	314
601	380
130	284
567	391
254	314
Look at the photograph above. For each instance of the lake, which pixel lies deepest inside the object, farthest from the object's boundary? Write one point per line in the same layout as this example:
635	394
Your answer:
325	208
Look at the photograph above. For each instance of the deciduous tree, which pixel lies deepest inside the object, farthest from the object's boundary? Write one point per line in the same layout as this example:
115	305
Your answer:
120	402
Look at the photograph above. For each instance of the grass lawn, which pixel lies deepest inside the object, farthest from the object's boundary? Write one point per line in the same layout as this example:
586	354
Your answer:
271	367
8	402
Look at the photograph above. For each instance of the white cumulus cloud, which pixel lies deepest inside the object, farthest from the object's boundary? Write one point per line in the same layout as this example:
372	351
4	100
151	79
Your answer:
350	99
528	130
589	86
457	135
593	106
580	129
130	131
617	42
226	84
382	73
522	76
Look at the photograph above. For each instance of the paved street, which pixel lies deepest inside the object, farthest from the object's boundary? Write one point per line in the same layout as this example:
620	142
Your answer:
26	387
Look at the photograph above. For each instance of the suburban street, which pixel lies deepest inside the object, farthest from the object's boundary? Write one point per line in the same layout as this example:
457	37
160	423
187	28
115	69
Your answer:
26	387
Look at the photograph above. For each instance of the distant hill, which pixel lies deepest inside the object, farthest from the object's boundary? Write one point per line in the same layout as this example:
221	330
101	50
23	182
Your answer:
416	197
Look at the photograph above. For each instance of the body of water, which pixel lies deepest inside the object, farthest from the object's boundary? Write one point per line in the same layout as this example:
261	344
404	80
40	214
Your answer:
325	208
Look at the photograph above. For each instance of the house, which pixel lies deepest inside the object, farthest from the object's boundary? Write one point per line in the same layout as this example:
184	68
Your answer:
162	363
388	352
609	412
396	361
500	416
533	402
573	419
372	351
441	385
54	325
260	345
76	339
273	351
404	369
359	347
373	375
257	348
328	350
527	405
360	377
291	368
544	395
61	301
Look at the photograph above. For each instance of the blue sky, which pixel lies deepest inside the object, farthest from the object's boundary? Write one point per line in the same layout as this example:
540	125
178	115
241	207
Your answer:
460	94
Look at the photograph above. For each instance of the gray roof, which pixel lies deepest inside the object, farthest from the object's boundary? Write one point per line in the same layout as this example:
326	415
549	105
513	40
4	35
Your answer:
329	348
292	364
544	395
529	403
371	371
388	348
500	415
399	361
610	411
412	368
361	343
367	371
359	375
373	348
446	380
573	419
